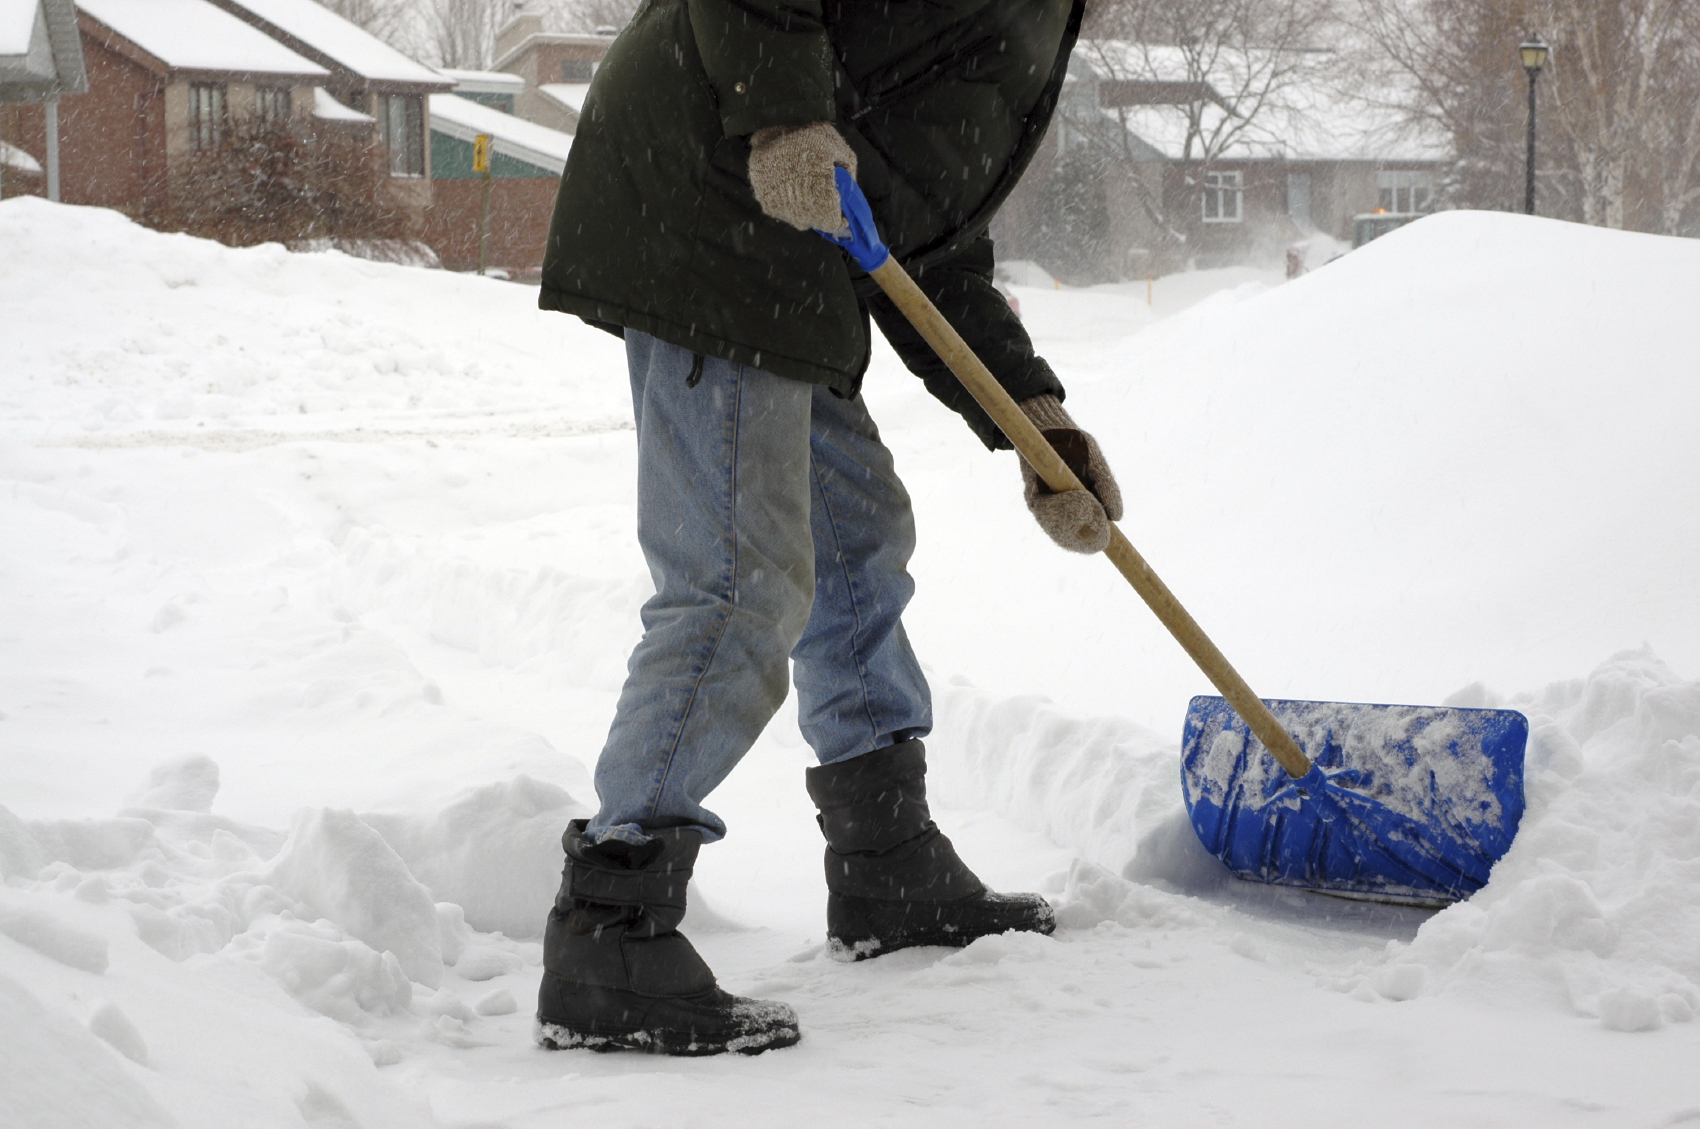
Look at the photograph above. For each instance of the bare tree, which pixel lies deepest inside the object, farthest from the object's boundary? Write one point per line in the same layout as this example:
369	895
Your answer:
462	33
1212	72
386	19
1621	142
1675	151
588	16
1615	104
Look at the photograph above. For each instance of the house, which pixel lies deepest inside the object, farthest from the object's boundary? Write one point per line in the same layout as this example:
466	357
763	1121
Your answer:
496	89
529	108
1156	163
366	75
193	103
41	60
526	160
166	81
555	67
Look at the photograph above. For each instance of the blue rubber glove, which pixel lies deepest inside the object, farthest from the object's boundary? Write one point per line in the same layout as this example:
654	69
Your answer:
859	237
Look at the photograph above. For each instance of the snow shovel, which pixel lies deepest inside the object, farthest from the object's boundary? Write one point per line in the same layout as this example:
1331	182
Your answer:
1393	803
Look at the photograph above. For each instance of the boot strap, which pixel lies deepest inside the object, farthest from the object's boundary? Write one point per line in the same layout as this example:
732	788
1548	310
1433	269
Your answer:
606	886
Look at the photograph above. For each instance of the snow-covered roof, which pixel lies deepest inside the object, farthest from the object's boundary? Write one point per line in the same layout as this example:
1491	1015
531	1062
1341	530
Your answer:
341	42
17	25
1312	127
485	82
194	35
326	108
15	158
513	137
1115	58
568	94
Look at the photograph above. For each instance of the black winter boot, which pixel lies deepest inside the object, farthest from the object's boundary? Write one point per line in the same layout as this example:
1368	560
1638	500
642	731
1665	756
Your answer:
893	880
617	974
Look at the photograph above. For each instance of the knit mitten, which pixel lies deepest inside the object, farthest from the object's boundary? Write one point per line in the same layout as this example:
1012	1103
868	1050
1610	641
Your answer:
791	172
1078	520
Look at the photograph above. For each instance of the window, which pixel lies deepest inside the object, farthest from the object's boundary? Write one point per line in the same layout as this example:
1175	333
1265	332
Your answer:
271	104
1222	191
578	70
1404	193
1298	198
403	122
206	115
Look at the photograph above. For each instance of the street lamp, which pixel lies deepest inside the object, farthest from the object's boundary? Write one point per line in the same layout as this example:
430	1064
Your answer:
1534	53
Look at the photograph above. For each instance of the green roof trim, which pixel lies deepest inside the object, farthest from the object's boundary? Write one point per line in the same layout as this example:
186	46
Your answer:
451	159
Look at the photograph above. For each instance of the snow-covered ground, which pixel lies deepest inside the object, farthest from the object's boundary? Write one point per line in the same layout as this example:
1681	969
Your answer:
317	579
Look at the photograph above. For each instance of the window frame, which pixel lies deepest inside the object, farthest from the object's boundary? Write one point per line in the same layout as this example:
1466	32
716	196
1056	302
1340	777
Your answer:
591	66
1404	192
403	126
1222	186
209	116
273	104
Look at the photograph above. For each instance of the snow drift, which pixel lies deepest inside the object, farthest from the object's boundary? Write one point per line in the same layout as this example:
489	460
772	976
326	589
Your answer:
319	577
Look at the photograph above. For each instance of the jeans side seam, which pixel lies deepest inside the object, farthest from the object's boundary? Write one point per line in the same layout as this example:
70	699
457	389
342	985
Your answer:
660	786
855	605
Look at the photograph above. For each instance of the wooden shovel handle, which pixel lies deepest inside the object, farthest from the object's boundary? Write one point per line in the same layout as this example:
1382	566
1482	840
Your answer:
1034	447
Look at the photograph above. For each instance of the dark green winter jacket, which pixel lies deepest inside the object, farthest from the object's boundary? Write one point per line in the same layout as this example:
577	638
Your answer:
944	101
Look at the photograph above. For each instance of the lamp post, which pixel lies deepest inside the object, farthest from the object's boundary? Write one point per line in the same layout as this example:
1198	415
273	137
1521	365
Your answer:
1534	54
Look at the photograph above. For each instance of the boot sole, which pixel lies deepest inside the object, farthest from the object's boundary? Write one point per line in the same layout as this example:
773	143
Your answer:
572	1016
557	1037
864	928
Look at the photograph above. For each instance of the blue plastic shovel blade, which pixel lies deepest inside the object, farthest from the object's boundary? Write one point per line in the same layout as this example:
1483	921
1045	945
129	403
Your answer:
1404	802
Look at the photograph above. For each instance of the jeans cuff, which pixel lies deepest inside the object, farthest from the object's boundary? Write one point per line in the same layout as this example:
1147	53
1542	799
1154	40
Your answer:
635	834
624	832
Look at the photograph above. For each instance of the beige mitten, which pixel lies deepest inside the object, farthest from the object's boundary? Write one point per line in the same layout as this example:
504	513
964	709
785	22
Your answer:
1078	520
791	171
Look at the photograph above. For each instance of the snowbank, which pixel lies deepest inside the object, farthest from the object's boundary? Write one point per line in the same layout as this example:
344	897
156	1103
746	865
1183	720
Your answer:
1594	911
130	327
496	853
319	576
330	914
55	1068
1598	901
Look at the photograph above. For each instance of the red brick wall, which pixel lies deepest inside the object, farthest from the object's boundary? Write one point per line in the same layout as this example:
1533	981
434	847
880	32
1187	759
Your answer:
112	139
550	56
520	208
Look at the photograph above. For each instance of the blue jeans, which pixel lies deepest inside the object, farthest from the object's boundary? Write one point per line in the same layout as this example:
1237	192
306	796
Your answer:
775	527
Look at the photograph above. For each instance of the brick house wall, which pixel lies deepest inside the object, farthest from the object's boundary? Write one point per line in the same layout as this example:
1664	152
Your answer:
520	208
124	143
522	202
1338	192
112	143
540	58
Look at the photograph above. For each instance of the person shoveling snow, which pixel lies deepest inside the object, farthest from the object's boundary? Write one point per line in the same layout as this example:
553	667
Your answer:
769	512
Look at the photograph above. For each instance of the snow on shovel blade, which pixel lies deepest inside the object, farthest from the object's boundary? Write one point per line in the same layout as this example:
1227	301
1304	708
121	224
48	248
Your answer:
1403	802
